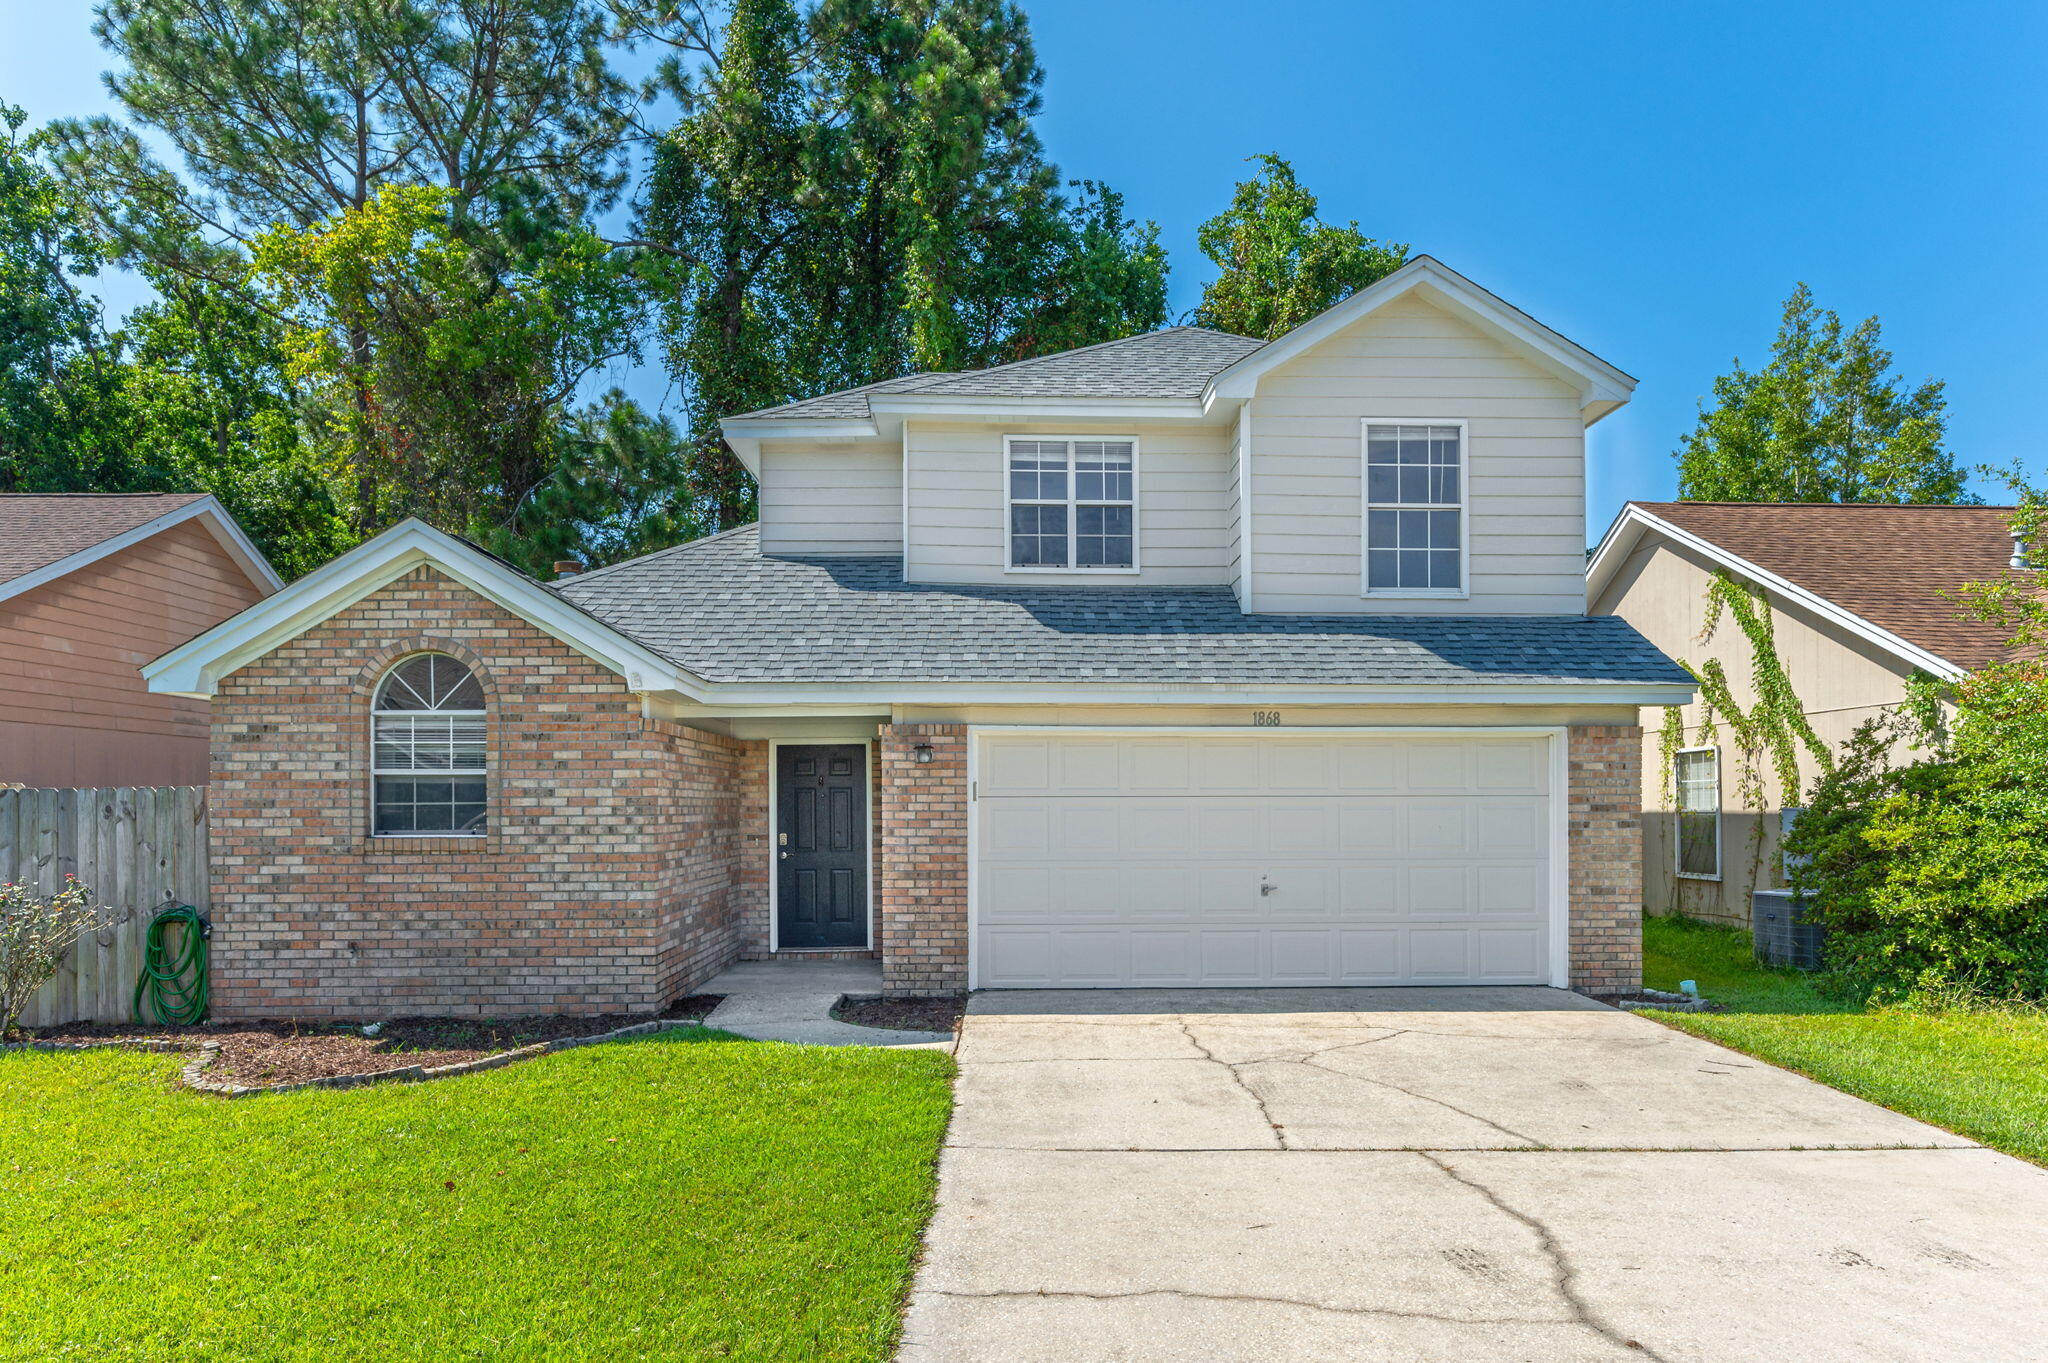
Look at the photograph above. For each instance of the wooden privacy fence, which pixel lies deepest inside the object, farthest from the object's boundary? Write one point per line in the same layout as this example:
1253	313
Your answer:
138	848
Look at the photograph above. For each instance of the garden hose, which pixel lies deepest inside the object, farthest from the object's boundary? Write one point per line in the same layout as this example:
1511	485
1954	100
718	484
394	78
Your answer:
175	986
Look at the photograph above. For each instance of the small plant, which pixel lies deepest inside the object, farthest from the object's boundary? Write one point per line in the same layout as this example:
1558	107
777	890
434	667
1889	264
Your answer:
35	932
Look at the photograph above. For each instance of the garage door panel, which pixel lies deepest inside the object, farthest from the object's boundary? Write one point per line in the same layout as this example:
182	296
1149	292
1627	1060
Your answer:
1227	828
1439	828
1440	955
1156	765
1511	889
1161	959
1107	860
1509	953
1088	766
1371	956
1371	890
1232	958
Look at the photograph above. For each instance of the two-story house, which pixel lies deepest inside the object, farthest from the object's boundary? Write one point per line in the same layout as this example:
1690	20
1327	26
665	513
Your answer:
1182	660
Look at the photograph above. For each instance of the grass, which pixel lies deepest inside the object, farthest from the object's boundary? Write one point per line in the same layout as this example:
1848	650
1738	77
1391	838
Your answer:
688	1195
1981	1072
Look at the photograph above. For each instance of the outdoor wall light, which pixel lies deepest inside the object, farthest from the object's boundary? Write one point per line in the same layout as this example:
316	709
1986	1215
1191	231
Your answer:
922	754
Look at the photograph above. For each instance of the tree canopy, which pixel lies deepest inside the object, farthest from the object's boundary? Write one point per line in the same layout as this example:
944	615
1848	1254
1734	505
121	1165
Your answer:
1827	420
1279	264
857	193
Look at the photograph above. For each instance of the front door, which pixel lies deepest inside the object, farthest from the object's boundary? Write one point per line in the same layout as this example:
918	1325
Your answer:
821	845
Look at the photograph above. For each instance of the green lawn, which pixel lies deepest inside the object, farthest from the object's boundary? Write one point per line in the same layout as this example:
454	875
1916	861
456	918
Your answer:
1981	1073
685	1196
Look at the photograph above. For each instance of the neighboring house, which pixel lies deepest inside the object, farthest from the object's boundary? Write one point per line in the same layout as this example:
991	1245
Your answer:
1862	597
1182	660
91	587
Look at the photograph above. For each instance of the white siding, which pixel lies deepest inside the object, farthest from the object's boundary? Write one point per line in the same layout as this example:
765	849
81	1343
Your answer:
957	532
1525	466
831	498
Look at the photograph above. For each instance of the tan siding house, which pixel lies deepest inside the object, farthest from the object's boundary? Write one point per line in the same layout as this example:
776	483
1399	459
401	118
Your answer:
1858	605
96	587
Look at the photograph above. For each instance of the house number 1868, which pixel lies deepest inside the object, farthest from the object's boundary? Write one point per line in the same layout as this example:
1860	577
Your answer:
1266	719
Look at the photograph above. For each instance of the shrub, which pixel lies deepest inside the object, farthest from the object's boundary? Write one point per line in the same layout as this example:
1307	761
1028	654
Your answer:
1933	877
35	932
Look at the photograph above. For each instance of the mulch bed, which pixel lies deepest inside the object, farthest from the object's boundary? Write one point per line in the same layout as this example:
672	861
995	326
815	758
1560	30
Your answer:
287	1052
938	1013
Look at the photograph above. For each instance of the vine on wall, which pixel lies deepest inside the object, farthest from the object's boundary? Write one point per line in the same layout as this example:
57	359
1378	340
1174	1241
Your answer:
1768	735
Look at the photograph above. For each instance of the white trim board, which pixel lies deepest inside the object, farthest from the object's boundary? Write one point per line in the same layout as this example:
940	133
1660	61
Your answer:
1558	916
219	524
1626	533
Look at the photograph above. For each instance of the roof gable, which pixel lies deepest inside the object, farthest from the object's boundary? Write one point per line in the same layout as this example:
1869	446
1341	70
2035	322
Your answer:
1877	570
47	536
196	667
1601	386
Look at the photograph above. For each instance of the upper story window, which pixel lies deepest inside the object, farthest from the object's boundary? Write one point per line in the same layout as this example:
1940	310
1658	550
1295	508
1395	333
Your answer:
1072	503
427	750
1415	508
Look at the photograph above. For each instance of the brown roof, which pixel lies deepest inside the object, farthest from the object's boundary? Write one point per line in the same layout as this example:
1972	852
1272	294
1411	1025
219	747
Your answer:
1888	564
38	529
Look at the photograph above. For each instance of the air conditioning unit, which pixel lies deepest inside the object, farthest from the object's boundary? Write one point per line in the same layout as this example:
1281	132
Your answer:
1784	935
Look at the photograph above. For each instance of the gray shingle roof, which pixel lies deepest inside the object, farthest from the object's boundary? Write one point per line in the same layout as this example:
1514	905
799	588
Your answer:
1174	363
724	611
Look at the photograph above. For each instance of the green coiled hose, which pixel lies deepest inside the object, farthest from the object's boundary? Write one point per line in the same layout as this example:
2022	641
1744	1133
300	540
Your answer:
173	985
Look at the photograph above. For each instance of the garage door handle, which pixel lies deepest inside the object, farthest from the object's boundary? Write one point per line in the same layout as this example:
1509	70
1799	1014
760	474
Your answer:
1267	887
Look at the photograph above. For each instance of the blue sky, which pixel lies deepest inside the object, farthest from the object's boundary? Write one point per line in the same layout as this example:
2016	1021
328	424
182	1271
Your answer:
1650	179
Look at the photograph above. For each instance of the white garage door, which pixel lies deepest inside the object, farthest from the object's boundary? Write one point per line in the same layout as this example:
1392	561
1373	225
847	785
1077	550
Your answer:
1157	860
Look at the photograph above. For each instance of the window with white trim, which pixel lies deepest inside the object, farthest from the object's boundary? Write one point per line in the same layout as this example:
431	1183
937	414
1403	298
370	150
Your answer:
1072	504
1414	508
1698	771
427	751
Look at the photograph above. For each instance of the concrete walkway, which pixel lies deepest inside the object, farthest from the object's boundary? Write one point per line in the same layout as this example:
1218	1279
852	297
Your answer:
1413	1175
793	1001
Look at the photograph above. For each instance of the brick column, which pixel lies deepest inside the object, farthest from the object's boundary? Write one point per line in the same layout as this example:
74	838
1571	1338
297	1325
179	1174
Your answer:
1606	849
921	859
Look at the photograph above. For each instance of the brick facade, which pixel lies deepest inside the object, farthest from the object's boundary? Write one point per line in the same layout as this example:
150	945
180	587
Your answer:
1606	841
628	858
921	858
624	853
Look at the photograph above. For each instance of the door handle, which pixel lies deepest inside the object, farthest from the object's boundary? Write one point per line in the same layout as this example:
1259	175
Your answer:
1266	887
785	856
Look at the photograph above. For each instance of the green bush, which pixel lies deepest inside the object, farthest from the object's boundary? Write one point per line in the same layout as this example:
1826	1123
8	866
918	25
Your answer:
1932	877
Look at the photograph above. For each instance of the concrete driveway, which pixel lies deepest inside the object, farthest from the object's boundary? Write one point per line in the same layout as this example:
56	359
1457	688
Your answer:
1408	1174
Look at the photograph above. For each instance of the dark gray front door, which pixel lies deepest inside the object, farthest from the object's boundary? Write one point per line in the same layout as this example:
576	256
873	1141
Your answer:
821	845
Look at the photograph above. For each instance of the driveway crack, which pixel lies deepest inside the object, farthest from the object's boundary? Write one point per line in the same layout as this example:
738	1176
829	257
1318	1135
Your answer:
1564	1274
1279	1134
1527	1140
1245	1297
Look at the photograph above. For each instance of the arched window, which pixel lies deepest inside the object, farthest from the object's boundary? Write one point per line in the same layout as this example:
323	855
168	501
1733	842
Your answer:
427	751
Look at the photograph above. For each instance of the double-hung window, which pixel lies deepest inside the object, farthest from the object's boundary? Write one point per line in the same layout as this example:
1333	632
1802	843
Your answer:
1073	504
428	751
1415	508
1698	771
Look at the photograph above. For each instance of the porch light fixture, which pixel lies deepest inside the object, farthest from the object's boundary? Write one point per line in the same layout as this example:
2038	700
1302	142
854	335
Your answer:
922	754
